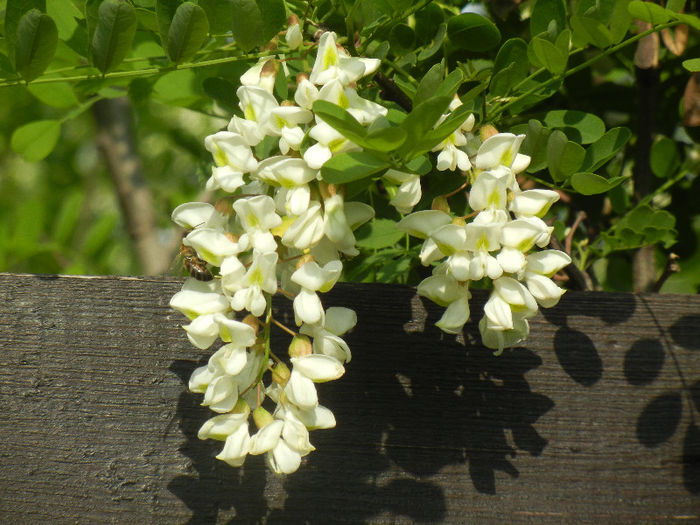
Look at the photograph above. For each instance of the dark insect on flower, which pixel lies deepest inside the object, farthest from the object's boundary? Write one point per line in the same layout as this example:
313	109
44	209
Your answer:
195	266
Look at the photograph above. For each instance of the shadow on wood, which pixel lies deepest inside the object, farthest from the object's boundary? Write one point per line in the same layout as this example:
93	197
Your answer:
595	419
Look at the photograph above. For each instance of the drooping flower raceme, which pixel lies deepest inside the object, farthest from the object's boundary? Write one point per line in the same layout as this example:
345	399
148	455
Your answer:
277	228
497	244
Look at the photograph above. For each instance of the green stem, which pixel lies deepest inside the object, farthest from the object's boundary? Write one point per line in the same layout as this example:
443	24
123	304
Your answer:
584	65
142	72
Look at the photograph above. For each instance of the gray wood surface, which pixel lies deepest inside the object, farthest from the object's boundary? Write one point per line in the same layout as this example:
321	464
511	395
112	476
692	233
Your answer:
594	420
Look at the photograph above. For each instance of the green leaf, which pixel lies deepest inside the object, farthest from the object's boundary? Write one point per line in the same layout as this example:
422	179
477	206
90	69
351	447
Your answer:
165	11
341	121
692	65
187	33
548	16
605	148
380	233
620	20
385	139
219	14
664	158
579	126
57	94
98	234
435	136
692	20
588	183
547	55
37	37
429	83
652	13
14	11
472	32
114	34
510	67
351	166
255	22
419	121
563	156
402	39
450	85
535	145
435	44
34	141
587	30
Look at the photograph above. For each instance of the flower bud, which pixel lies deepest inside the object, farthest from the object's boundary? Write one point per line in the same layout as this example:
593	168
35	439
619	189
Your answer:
440	204
300	345
487	131
252	321
262	417
280	374
306	258
293	37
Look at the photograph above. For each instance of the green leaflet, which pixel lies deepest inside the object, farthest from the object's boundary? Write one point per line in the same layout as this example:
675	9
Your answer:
187	32
114	33
472	32
35	140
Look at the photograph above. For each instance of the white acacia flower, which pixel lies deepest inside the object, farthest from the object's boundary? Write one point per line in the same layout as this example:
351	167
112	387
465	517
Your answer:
237	446
326	335
259	75
533	203
232	150
333	62
260	277
365	111
193	215
509	301
307	229
499	150
498	339
306	93
336	226
312	278
409	191
293	36
199	298
212	245
490	189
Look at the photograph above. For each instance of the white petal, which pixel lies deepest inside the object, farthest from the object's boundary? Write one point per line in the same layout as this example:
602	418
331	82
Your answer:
544	290
456	315
221	394
282	459
319	368
307	307
222	426
231	358
200	379
191	215
236	447
422	223
547	262
339	320
314	418
267	437
203	331
301	391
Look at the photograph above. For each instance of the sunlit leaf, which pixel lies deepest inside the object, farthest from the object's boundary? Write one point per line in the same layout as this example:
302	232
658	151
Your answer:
605	148
380	233
34	141
577	125
510	67
588	183
354	165
692	65
56	94
564	157
587	30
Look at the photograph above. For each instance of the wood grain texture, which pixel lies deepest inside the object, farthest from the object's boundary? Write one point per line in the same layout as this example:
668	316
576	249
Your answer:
594	420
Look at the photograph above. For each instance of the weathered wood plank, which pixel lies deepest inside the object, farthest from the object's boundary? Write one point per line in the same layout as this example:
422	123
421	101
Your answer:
592	421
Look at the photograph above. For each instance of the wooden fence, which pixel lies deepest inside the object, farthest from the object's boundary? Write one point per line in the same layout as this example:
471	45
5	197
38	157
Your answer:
595	420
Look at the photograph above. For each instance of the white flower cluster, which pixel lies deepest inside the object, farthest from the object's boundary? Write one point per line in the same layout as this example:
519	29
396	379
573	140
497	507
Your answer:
497	243
280	224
